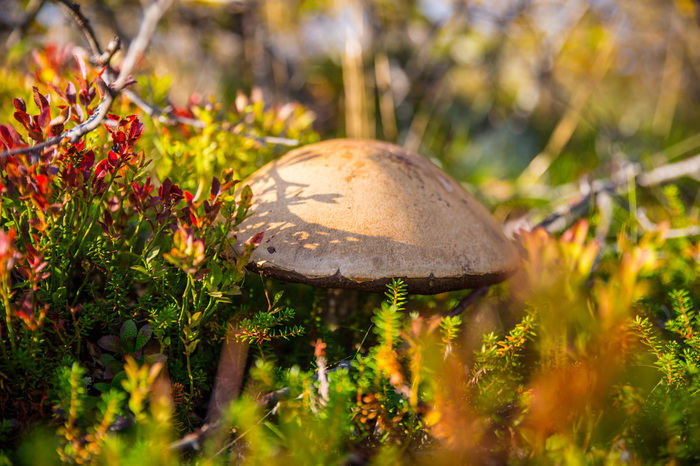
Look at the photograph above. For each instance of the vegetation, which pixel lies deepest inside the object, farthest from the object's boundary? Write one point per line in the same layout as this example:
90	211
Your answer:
131	331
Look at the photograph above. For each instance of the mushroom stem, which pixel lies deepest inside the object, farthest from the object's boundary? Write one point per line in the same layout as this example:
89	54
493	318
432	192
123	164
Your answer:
340	303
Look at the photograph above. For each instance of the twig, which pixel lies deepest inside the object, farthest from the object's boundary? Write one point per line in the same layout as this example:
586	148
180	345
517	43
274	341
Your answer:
194	440
105	57
688	167
618	183
468	300
84	23
152	15
648	225
102	58
99	58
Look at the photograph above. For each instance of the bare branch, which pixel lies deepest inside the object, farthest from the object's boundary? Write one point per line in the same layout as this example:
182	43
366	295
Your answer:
671	171
152	15
84	23
648	225
619	182
468	300
113	47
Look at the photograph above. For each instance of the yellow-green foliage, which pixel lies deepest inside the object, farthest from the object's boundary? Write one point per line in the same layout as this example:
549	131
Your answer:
119	286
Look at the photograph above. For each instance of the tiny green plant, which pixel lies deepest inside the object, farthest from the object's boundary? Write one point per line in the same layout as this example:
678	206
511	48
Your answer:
130	342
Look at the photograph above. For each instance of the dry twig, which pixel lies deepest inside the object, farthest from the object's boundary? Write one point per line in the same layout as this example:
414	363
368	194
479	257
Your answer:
152	15
618	183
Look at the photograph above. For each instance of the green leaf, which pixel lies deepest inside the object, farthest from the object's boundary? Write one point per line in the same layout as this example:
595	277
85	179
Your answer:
111	343
246	198
196	319
151	359
141	269
128	333
278	296
102	387
215	274
153	253
110	363
143	337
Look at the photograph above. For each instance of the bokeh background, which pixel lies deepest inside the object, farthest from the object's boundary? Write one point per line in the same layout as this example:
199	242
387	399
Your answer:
510	96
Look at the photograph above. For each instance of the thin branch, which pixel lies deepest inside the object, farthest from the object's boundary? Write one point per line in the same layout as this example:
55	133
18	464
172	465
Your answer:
152	15
105	57
84	23
648	225
588	196
687	167
468	300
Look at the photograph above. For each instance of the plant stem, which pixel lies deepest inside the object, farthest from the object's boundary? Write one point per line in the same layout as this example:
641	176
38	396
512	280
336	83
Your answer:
189	373
184	301
5	356
155	234
8	319
97	212
136	233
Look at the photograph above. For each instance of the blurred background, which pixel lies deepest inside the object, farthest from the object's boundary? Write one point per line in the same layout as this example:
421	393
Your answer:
507	95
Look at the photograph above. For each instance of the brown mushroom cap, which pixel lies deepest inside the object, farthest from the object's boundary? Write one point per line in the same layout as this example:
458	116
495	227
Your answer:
354	214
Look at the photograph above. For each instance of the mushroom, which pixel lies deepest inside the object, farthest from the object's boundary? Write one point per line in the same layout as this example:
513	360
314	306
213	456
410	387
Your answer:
354	214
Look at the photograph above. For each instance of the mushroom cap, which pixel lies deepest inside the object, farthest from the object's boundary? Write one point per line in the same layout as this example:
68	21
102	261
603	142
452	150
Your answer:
351	213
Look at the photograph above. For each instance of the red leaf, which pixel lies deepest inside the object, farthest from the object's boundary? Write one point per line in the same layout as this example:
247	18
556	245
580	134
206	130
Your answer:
39	99
19	104
55	129
79	113
82	96
23	118
42	183
135	130
58	91
113	158
81	65
36	135
44	118
256	239
215	188
70	93
16	138
194	220
91	94
26	306
108	218
6	136
101	170
88	160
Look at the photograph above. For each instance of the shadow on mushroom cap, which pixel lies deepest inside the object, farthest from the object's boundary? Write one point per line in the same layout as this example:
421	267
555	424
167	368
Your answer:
355	214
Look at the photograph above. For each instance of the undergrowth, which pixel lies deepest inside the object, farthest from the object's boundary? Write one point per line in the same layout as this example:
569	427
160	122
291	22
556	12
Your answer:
122	293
